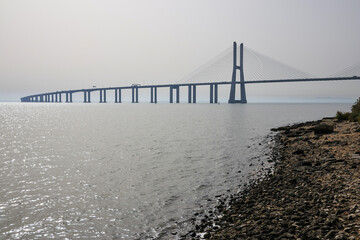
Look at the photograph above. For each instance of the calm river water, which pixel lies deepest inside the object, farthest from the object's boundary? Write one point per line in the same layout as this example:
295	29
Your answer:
128	171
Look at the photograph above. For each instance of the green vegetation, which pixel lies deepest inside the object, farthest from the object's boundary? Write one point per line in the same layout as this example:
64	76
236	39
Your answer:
353	116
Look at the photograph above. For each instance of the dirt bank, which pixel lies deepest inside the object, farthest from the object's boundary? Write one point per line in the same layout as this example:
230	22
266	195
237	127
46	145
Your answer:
314	192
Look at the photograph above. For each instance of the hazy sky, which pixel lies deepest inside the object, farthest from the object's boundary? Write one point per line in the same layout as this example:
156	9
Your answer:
49	45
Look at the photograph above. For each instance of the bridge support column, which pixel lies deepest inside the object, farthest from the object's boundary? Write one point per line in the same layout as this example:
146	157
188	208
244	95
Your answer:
116	95
216	93
177	94
89	97
151	94
104	95
132	95
137	95
189	94
59	97
52	97
119	95
84	96
67	97
155	94
101	96
171	94
211	93
71	97
194	93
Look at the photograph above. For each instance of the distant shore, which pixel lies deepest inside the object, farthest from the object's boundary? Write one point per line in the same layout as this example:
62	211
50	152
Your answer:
314	192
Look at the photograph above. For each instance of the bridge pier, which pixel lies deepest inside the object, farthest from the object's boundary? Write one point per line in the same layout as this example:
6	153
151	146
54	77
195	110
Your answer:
189	94
116	95
194	93
177	94
69	97
59	97
213	93
135	93
155	94
177	89
151	94
132	95
171	95
102	96
216	93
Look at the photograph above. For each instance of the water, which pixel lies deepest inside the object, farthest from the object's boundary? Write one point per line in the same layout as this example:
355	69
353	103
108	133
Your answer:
128	171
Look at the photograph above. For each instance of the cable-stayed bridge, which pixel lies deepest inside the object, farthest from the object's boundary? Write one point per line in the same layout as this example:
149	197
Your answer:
224	68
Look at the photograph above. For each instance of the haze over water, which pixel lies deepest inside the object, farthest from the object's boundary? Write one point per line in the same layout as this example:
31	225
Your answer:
129	171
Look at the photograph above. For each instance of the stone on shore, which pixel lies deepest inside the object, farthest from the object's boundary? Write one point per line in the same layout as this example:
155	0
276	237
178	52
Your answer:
314	192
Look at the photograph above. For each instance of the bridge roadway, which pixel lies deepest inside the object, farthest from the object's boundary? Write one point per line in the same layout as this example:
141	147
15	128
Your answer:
57	96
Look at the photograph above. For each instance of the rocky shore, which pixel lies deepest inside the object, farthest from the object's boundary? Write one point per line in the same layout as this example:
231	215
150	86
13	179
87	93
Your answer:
313	193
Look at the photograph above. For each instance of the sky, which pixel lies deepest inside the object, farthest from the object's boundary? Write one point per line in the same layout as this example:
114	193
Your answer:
50	45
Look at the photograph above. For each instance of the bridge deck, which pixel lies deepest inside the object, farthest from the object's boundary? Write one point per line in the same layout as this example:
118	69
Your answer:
49	96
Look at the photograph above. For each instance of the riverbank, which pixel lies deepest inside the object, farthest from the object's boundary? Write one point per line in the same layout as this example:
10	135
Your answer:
314	192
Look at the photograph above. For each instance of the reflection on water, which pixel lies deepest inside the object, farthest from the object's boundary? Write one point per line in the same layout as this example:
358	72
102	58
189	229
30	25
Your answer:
128	171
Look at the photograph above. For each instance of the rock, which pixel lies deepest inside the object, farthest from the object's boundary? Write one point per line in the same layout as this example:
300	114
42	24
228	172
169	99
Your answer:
298	152
323	129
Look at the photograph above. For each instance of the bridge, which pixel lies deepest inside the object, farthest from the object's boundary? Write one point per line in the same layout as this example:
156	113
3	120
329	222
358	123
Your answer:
67	95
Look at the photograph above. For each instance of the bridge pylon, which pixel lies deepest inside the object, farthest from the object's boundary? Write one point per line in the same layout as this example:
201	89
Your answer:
242	79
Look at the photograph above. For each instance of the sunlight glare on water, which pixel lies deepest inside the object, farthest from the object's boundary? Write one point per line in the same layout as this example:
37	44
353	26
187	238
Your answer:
128	171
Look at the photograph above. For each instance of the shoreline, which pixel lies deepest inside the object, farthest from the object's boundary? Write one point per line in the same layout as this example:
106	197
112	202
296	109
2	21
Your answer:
313	192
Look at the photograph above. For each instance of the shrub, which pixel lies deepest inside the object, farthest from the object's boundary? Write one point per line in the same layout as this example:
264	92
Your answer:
342	116
356	107
354	116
